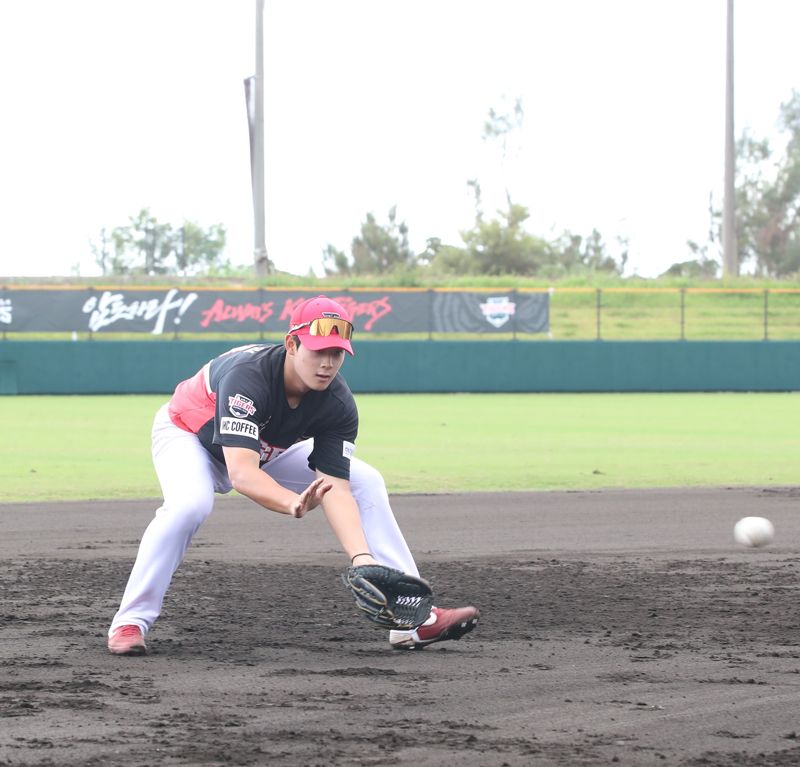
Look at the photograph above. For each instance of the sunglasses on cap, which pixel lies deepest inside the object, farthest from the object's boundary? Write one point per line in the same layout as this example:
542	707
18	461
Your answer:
325	326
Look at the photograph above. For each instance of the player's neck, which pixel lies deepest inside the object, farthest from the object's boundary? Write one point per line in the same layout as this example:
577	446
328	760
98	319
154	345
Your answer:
293	387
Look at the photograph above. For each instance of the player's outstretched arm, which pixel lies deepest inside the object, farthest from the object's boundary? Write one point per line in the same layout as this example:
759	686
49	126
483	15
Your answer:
310	498
248	479
341	511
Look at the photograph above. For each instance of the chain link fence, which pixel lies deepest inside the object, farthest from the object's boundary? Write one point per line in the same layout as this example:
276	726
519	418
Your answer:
675	314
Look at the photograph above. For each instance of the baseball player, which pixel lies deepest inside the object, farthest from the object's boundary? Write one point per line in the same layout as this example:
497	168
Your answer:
278	424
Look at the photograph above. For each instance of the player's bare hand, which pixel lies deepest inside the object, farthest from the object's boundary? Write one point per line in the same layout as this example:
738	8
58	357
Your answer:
310	498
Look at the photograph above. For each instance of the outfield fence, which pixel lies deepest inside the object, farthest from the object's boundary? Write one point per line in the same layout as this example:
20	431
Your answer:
721	314
536	314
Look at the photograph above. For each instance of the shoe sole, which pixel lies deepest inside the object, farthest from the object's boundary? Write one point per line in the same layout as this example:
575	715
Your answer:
132	651
454	633
137	650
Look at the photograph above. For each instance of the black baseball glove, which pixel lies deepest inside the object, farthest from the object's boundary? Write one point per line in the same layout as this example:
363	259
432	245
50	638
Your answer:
389	597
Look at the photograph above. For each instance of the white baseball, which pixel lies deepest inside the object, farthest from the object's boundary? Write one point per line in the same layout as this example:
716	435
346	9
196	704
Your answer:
753	531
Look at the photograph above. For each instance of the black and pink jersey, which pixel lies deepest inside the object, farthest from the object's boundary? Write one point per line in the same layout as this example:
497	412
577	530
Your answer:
238	400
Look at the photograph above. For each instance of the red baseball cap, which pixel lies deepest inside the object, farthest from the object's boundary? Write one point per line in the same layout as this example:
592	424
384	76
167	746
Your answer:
322	324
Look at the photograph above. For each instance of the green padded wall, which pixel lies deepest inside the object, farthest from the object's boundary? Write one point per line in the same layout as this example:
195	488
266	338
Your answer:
141	367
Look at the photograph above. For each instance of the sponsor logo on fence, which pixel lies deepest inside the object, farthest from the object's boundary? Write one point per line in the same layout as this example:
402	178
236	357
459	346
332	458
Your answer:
498	310
5	310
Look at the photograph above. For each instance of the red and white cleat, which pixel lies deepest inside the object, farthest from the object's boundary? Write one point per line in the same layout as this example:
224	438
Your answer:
443	624
127	640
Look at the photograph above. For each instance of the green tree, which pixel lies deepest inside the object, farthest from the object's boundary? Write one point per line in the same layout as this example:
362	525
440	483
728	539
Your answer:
147	246
768	198
575	254
105	255
378	249
335	261
702	267
502	245
495	247
500	127
199	251
767	202
143	246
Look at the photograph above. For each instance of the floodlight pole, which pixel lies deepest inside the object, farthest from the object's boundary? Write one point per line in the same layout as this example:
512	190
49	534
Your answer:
730	258
260	257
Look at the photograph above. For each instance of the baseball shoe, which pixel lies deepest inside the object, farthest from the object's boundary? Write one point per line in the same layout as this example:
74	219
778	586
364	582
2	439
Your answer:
127	640
441	625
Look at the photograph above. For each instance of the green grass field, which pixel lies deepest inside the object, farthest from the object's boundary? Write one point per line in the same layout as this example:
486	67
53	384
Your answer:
83	447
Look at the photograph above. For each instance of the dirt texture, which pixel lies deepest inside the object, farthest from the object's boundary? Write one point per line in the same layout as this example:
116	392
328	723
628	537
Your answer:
618	627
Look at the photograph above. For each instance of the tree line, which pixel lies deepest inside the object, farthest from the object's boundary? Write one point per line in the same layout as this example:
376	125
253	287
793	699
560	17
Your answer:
145	246
768	229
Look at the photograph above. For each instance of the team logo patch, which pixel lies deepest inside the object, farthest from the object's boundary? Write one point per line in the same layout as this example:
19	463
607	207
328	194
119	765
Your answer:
348	448
498	310
238	426
241	406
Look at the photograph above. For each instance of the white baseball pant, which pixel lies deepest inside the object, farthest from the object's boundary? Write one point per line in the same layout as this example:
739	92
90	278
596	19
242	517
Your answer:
190	477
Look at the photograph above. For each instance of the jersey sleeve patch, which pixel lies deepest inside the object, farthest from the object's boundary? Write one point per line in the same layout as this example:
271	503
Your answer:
241	406
241	427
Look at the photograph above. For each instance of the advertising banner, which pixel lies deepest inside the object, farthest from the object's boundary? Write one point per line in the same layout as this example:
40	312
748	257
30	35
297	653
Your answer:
160	311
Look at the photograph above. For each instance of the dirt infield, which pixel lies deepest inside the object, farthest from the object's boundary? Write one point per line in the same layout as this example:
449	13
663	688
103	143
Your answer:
620	627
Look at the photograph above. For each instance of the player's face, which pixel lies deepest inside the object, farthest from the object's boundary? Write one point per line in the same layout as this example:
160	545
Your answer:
316	370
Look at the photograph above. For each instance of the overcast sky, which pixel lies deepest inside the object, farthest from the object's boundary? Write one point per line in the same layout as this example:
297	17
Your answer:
110	106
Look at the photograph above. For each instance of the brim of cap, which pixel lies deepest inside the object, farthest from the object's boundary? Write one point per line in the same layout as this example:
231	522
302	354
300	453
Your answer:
333	341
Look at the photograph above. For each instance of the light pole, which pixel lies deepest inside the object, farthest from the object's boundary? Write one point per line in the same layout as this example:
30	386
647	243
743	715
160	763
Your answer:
730	258
261	260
